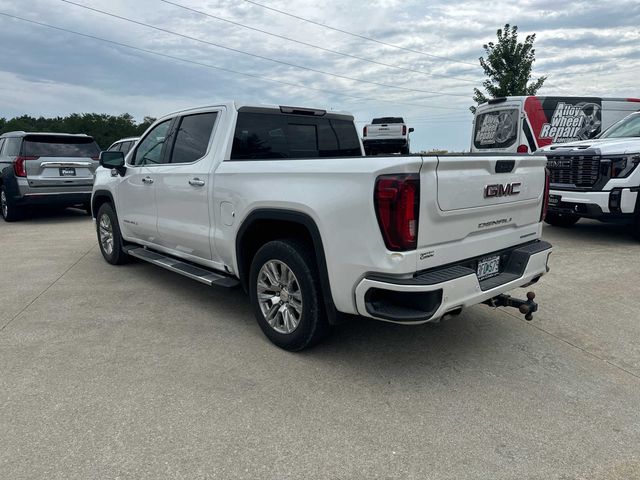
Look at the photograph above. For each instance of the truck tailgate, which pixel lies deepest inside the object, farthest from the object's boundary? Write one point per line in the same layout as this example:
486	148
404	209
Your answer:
384	130
480	204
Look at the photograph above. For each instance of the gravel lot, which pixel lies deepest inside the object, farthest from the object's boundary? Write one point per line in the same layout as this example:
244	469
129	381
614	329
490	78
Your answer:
135	372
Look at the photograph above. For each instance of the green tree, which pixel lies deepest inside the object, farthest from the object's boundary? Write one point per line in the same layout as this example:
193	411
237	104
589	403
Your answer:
508	66
106	129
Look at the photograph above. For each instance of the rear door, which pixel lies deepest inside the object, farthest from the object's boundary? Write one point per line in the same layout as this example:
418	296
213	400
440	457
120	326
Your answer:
184	187
59	161
497	128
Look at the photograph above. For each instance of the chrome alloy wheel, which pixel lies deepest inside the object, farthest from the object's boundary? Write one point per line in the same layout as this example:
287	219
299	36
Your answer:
106	234
279	296
4	204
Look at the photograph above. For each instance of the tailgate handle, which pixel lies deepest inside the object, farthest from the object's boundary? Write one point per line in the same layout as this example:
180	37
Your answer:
505	166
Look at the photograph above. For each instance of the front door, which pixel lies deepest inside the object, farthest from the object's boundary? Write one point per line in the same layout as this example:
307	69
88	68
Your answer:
184	187
137	208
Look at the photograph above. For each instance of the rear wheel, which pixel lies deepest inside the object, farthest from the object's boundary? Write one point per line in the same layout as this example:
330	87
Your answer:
561	219
109	236
404	150
285	294
10	213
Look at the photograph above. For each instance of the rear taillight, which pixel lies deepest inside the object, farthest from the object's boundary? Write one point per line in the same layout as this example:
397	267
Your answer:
364	131
523	149
397	203
545	197
19	167
404	130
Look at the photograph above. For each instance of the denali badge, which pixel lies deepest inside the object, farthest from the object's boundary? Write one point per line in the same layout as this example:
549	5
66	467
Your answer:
499	190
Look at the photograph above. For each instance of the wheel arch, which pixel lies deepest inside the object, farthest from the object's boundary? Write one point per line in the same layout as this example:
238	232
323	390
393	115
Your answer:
99	198
253	233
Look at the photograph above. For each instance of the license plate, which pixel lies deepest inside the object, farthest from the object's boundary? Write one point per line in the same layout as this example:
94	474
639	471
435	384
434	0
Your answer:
68	172
554	200
488	267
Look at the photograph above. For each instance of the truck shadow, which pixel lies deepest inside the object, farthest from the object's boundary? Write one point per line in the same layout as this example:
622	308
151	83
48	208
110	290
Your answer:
359	346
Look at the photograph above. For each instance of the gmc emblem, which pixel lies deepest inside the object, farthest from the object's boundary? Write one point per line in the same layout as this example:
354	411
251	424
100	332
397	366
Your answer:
499	190
555	163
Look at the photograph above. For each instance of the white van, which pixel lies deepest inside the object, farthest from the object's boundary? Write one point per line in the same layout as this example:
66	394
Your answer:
525	124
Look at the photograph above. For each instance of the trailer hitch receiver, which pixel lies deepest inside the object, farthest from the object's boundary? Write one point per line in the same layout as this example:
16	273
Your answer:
527	307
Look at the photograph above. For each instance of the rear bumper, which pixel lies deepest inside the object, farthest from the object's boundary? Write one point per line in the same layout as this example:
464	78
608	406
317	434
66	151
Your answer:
430	295
388	142
595	204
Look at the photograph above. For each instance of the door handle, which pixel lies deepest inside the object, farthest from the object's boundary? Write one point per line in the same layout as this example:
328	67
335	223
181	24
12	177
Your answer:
147	180
196	182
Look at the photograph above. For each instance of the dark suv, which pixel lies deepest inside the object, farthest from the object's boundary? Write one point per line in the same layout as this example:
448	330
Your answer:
45	169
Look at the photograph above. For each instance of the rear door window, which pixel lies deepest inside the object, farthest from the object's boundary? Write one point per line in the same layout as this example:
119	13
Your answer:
54	146
12	146
1	145
274	135
192	138
496	129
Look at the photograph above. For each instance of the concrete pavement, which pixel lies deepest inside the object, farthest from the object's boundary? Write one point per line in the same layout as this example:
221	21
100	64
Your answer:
135	372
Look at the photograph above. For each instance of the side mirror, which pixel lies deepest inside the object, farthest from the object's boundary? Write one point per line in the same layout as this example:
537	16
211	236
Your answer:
411	129
113	160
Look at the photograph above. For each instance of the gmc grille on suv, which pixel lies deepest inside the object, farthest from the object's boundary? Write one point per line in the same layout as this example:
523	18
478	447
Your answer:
581	171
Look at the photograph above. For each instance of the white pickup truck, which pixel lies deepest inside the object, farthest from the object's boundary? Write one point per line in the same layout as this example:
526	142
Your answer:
597	178
386	135
282	201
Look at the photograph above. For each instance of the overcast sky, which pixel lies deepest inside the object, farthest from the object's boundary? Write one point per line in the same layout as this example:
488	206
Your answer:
585	48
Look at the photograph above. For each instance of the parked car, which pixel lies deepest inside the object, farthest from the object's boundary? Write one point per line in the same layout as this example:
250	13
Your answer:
597	178
55	169
386	135
282	201
525	124
123	145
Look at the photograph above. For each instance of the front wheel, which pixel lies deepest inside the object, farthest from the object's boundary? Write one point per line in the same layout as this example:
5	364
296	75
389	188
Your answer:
10	213
561	219
286	296
109	236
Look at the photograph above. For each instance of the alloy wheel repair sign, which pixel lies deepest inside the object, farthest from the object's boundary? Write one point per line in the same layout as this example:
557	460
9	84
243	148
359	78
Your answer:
562	119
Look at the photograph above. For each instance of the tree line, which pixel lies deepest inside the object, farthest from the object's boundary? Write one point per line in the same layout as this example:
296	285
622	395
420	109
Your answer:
105	129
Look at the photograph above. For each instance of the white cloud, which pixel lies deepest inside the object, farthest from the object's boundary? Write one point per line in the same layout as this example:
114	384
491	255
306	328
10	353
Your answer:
584	48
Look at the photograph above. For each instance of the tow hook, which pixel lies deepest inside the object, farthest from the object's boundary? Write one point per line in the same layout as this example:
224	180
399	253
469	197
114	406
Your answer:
526	307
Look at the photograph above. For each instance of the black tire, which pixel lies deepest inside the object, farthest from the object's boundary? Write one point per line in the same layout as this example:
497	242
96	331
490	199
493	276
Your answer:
312	324
404	150
561	219
9	211
114	255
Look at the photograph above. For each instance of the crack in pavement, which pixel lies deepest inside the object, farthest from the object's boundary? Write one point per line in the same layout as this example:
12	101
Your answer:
578	347
46	289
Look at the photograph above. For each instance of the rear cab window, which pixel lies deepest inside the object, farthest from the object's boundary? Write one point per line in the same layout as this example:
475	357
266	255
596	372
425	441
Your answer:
496	128
383	120
273	135
59	146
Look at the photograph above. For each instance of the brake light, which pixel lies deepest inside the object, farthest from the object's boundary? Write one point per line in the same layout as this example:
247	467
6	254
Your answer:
364	131
19	167
397	203
523	149
545	199
404	130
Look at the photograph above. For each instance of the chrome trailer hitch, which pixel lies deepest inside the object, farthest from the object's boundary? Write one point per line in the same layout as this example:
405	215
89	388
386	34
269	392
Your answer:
527	307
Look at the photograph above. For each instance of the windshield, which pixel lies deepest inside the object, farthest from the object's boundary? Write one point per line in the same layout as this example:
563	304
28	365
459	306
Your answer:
627	127
496	129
